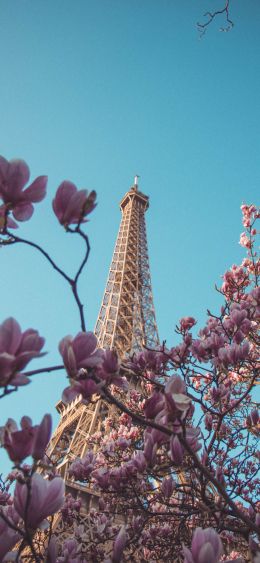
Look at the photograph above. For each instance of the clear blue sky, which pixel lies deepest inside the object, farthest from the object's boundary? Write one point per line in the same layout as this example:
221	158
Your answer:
96	91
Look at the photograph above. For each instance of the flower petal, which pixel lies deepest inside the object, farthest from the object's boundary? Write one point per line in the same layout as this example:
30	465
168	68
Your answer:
23	211
18	175
10	336
37	190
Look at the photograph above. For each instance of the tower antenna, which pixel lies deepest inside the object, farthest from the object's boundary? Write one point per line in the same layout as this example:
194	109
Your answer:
136	181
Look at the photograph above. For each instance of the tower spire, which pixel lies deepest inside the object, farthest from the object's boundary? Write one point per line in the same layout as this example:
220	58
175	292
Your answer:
136	181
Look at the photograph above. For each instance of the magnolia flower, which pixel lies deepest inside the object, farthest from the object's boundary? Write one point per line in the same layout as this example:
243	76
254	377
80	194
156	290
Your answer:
14	175
119	545
245	241
17	348
85	386
8	536
46	498
150	448
71	205
42	437
80	352
81	469
30	440
186	323
18	443
70	550
206	547
108	370
176	398
167	486
176	450
154	404
52	550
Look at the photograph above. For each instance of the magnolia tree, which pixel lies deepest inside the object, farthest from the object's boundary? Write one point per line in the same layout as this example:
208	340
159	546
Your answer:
174	467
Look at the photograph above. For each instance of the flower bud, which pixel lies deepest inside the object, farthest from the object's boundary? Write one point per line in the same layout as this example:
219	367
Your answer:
42	437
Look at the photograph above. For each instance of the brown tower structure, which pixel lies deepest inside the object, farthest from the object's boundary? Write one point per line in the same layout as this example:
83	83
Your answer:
126	322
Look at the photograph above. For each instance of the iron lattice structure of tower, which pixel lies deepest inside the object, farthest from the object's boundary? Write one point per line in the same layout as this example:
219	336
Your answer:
126	320
126	323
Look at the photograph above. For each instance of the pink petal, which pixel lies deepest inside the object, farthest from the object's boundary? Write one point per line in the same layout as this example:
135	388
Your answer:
187	555
42	437
119	545
23	359
31	341
26	422
62	198
23	211
20	379
69	394
64	343
10	336
75	209
8	540
55	495
18	175
207	554
84	345
6	368
37	190
4	164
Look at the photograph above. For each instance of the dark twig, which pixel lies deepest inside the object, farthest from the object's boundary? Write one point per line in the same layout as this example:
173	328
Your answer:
14	239
202	27
42	370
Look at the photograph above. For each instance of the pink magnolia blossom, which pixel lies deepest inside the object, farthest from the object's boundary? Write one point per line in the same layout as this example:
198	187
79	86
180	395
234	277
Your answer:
167	486
119	545
18	443
176	450
8	536
42	437
245	241
154	405
81	469
80	352
250	213
52	551
150	448
71	205
139	461
46	498
17	348
84	386
186	323
70	552
109	370
14	175
175	394
236	277
70	509
206	547
30	440
150	360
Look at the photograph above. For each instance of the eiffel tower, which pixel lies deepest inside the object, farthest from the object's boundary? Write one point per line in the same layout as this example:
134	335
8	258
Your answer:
126	322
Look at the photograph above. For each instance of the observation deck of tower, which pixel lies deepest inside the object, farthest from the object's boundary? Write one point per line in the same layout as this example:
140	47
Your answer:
126	323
